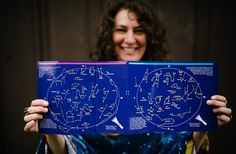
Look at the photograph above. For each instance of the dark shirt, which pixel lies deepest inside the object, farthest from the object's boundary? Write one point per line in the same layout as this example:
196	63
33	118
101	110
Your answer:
149	143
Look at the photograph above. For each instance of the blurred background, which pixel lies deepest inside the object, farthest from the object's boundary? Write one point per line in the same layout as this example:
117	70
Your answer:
33	30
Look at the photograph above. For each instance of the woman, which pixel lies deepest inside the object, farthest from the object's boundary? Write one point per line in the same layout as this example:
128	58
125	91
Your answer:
129	31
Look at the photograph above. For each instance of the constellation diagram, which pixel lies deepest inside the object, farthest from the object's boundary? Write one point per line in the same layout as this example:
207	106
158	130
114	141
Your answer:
168	97
82	97
126	97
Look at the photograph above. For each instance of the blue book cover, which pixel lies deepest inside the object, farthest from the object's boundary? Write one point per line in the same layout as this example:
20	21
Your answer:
126	97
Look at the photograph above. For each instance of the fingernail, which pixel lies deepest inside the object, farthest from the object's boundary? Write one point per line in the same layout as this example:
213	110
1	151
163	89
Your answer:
45	110
45	103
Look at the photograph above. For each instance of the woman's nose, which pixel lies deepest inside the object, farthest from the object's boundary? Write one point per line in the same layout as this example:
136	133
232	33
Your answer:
130	37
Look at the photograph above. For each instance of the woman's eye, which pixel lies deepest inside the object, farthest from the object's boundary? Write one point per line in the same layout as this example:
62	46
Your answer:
120	30
139	31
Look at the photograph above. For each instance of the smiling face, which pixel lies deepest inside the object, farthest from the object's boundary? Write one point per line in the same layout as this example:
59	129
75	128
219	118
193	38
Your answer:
128	36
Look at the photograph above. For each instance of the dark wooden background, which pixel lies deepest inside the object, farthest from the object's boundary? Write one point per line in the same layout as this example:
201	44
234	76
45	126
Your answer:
32	30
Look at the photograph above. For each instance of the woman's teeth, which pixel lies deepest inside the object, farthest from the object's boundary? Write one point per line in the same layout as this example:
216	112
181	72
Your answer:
129	49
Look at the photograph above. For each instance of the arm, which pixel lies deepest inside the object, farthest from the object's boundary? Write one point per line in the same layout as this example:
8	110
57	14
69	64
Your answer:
199	138
56	143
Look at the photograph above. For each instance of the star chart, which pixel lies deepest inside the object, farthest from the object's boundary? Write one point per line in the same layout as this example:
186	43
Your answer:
168	97
75	101
126	97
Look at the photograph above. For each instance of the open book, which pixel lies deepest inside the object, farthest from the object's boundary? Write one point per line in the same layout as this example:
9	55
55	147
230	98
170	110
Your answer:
126	97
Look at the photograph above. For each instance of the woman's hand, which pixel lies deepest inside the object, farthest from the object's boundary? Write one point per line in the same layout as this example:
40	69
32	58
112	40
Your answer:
34	113
219	104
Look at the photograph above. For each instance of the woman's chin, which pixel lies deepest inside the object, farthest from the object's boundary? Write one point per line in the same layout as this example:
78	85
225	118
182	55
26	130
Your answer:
130	58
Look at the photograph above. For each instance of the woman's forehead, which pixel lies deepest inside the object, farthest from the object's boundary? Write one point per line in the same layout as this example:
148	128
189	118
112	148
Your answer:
124	17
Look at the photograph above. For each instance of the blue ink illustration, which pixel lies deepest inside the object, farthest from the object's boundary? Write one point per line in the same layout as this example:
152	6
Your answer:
126	97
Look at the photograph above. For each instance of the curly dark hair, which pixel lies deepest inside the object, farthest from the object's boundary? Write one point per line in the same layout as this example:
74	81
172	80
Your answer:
157	47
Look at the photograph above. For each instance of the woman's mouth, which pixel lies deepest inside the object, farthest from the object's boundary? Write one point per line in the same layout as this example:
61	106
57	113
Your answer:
128	49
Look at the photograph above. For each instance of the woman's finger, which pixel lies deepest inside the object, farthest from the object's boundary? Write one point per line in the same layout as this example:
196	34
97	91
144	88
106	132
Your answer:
216	103
223	110
223	119
31	126
219	97
37	109
39	102
31	117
